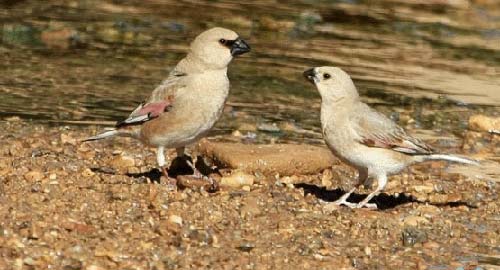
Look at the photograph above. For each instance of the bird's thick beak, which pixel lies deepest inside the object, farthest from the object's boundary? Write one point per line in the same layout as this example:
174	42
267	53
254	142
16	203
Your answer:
310	75
239	46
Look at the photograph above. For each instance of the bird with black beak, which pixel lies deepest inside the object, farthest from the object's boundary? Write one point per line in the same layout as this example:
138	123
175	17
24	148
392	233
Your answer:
364	138
187	104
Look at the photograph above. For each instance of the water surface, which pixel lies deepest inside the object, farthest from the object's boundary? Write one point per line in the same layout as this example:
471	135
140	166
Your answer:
428	66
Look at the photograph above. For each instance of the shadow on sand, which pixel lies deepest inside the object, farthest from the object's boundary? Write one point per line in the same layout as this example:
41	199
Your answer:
383	200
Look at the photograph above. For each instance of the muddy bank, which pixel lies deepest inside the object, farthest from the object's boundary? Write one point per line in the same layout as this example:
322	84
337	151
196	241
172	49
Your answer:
98	206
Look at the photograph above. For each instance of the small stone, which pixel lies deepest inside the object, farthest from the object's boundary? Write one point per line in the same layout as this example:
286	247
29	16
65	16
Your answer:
33	176
412	236
29	261
237	179
414	221
330	207
12	119
267	127
88	172
294	179
424	189
250	207
94	267
133	170
237	133
122	162
246	247
326	178
67	139
480	122
431	245
368	251
438	198
174	219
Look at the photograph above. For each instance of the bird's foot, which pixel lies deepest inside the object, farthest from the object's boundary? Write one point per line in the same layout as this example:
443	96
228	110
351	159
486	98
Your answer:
330	206
198	174
366	205
169	181
213	185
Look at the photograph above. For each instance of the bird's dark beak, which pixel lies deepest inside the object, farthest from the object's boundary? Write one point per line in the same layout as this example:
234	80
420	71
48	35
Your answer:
310	75
238	47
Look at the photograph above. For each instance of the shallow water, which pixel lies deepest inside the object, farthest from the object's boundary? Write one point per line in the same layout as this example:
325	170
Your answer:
428	66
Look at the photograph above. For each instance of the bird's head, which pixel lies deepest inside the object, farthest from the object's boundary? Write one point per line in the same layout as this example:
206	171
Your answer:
332	82
216	47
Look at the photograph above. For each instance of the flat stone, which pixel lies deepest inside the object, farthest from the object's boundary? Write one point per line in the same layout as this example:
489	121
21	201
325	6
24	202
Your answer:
271	159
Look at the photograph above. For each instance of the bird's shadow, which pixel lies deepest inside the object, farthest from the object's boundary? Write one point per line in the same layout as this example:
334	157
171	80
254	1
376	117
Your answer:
178	166
383	200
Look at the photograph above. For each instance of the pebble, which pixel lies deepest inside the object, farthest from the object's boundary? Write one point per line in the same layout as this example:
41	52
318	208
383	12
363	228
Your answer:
237	179
412	236
122	162
267	127
414	221
368	251
480	122
326	178
174	219
424	188
33	176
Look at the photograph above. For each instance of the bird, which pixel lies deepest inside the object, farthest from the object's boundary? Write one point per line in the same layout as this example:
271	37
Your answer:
187	104
364	138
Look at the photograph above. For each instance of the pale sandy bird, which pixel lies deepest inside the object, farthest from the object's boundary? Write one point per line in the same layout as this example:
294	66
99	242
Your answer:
186	105
362	137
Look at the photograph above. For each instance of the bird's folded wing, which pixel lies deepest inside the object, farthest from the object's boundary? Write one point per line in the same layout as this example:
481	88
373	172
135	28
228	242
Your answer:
376	130
160	101
145	112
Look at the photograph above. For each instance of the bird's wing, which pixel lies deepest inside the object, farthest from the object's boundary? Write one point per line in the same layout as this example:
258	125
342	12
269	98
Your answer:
376	130
161	101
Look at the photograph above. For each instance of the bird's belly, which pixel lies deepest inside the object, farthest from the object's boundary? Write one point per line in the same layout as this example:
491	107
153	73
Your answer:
377	159
192	128
360	156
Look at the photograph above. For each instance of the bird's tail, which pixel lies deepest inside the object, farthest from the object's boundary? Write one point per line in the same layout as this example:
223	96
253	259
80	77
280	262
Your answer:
106	134
451	158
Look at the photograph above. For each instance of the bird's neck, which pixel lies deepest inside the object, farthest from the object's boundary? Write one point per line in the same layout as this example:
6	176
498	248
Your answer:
334	111
192	64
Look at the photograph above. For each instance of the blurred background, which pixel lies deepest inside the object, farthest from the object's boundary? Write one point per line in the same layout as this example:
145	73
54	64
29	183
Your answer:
427	64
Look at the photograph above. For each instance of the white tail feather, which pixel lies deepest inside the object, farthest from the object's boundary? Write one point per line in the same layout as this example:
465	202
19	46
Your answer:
103	135
452	159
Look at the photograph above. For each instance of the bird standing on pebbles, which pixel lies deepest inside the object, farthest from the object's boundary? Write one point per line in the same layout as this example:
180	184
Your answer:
362	137
185	106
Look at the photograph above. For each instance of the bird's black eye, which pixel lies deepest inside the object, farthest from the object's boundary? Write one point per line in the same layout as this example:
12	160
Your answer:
222	41
326	76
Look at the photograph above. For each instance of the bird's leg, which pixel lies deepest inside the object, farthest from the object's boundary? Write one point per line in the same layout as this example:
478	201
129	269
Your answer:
343	200
362	177
181	152
160	158
196	173
382	181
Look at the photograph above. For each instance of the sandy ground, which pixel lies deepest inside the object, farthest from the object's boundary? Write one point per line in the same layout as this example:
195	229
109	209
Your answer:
67	205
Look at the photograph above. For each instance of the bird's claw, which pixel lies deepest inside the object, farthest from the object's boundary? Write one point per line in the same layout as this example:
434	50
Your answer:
366	205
